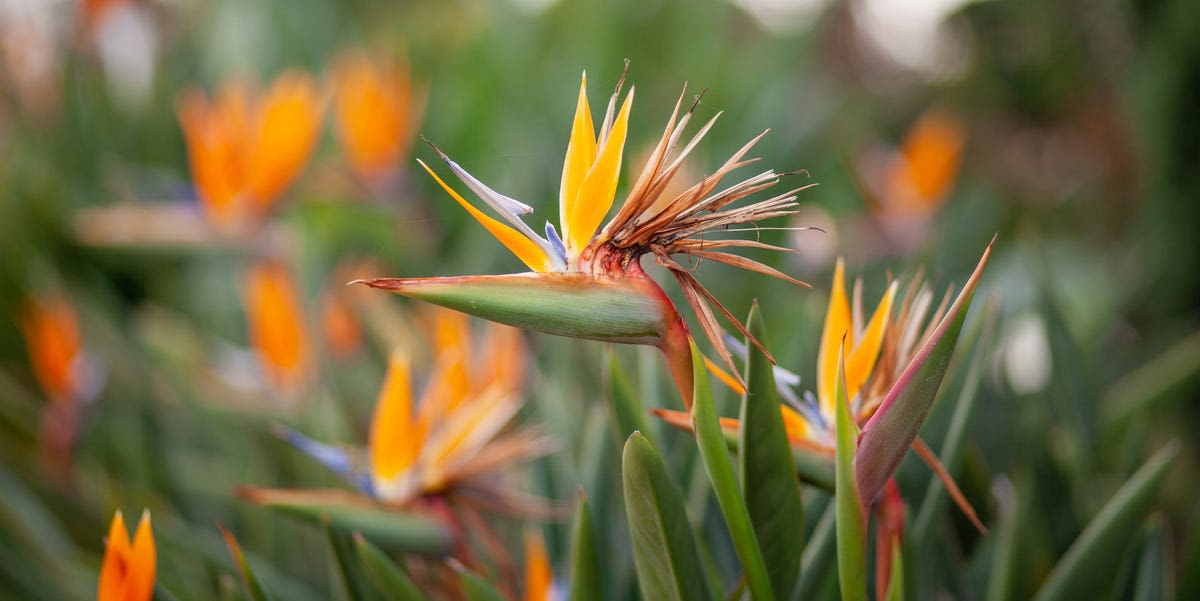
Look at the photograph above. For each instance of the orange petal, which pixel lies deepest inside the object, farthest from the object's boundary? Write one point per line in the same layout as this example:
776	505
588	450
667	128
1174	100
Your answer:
537	568
525	249
287	121
51	332
214	138
341	327
794	424
276	323
837	325
596	193
581	153
723	376
372	108
142	562
862	359
114	570
928	162
391	444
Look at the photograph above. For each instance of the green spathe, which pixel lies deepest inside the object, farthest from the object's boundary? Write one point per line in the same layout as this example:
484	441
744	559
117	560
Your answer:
578	305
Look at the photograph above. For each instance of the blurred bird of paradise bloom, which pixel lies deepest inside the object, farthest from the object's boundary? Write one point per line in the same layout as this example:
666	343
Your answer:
275	319
50	328
587	281
128	570
245	148
453	436
376	110
906	186
879	356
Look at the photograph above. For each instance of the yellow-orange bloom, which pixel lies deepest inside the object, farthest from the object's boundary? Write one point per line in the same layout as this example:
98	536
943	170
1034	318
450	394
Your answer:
376	111
127	573
246	149
51	331
276	323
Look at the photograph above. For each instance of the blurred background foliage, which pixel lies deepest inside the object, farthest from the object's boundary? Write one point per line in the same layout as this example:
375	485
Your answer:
1067	130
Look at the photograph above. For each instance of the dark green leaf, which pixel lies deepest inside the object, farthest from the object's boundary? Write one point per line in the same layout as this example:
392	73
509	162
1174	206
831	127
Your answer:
851	516
386	527
585	571
389	579
1089	563
768	474
628	414
665	555
715	453
478	589
249	580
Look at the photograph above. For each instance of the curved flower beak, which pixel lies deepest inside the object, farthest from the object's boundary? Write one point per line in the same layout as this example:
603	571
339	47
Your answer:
627	309
127	573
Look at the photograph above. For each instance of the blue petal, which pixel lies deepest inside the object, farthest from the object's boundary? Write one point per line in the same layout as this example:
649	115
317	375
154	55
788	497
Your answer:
334	459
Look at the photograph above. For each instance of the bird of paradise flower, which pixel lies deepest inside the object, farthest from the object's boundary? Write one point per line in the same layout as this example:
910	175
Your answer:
587	280
449	443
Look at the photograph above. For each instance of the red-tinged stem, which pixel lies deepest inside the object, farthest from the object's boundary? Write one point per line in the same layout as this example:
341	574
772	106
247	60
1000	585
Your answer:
890	531
676	347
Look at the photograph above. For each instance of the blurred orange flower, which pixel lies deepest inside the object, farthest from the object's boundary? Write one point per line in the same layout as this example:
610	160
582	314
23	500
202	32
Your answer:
276	323
51	331
127	573
376	110
926	165
246	149
910	183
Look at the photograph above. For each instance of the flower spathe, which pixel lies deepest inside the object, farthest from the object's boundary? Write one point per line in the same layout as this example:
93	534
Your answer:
127	573
582	253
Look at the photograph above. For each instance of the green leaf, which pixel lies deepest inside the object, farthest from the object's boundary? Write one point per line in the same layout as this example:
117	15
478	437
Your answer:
768	474
851	516
387	527
818	554
665	554
478	589
585	571
349	568
389	579
1012	502
715	453
1153	577
891	430
1082	571
895	591
628	414
249	580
